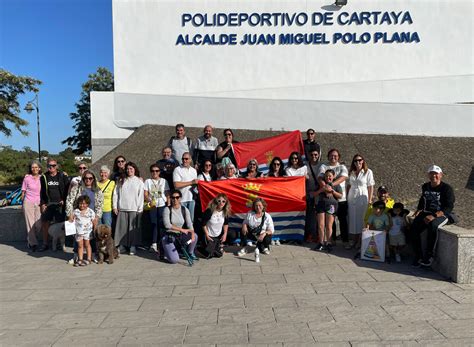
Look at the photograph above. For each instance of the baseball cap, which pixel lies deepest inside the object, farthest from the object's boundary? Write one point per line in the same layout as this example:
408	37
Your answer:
435	168
382	188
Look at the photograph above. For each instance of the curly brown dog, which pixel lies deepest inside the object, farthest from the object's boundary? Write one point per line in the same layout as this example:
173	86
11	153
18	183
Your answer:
105	244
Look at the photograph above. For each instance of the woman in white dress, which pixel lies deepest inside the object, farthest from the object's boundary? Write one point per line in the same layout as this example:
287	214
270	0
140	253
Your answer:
360	190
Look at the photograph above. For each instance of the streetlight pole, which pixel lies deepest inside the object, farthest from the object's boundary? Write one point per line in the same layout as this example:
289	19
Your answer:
30	106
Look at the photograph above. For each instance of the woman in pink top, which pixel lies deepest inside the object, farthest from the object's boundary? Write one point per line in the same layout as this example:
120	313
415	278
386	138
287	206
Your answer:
30	195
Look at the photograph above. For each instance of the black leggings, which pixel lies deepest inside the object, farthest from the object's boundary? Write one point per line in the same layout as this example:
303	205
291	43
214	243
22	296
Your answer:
260	245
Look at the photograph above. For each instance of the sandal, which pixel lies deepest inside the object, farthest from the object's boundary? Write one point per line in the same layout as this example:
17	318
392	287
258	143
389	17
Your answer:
77	263
84	263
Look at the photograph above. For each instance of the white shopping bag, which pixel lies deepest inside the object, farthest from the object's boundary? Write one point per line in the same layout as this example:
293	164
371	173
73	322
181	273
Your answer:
70	228
373	245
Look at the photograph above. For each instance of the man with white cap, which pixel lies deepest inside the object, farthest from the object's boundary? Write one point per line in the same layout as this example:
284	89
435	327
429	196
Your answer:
435	205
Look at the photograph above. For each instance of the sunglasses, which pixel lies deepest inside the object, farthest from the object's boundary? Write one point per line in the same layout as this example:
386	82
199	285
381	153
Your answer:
208	165
82	168
154	170
186	158
175	197
294	158
310	133
276	164
227	134
52	165
221	201
120	161
88	178
315	155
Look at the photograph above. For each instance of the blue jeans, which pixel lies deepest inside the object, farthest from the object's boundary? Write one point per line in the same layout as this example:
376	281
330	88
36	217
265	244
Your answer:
106	218
190	206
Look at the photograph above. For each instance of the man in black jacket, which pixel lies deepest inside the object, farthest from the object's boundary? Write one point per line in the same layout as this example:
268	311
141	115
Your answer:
54	189
435	205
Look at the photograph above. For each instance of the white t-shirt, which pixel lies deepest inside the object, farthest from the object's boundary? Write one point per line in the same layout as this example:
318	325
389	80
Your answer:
83	222
302	171
341	171
215	224
202	175
185	174
252	221
157	190
179	147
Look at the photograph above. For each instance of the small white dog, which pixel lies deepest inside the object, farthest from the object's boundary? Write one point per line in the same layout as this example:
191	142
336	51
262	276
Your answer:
56	231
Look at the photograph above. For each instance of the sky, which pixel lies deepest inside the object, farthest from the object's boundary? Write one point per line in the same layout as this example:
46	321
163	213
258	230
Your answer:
59	42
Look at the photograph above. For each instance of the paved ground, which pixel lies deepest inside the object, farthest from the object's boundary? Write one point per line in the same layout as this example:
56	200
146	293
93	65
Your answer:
294	297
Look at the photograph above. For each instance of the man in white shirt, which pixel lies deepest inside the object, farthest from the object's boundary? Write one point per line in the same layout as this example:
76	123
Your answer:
180	143
185	179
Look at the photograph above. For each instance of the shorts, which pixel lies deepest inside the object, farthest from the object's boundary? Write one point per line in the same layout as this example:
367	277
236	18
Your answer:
397	240
80	237
326	207
53	213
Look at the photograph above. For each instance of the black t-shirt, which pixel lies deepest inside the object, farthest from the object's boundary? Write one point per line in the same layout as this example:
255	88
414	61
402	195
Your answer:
54	192
434	199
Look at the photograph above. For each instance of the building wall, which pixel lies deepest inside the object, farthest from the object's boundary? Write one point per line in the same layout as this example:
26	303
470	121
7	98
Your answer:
389	88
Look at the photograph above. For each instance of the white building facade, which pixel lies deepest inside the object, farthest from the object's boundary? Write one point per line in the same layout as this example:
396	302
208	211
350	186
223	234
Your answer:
374	66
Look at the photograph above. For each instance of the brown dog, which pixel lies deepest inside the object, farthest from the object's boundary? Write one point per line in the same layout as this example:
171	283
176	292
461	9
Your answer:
105	244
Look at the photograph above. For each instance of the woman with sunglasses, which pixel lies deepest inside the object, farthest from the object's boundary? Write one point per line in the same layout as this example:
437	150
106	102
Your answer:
215	224
156	196
276	168
87	187
128	206
30	195
118	171
77	179
179	230
224	150
107	186
205	172
360	189
252	170
295	166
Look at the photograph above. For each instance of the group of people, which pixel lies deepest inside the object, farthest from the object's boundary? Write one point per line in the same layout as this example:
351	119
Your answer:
118	197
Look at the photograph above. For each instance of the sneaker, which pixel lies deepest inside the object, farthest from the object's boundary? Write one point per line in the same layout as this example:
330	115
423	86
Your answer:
73	261
95	260
266	251
272	243
277	243
153	248
133	250
398	258
329	247
257	255
319	247
249	243
427	262
122	250
242	252
193	256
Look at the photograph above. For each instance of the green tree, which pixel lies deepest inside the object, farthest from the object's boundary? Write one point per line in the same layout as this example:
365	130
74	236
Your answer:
101	81
11	86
